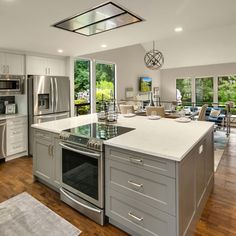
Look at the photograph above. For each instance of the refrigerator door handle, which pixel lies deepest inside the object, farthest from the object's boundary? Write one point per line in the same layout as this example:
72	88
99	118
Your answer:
52	94
56	93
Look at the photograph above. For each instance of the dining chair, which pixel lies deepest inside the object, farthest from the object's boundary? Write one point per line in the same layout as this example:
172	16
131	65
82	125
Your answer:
159	111
202	113
124	109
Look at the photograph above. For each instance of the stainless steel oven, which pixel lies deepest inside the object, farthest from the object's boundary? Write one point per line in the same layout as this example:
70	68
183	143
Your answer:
11	84
82	185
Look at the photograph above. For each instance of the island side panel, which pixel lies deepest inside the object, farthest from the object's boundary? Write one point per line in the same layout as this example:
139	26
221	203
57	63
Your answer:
195	178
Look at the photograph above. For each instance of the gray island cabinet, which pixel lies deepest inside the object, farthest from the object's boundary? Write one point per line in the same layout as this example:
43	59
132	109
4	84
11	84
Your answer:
47	158
149	195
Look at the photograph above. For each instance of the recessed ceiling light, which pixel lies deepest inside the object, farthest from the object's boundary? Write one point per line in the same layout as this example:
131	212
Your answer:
103	45
99	19
178	29
60	50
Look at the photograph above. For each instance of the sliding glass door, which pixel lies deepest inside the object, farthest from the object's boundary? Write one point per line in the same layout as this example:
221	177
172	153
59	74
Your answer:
183	91
105	83
102	80
82	89
226	89
204	91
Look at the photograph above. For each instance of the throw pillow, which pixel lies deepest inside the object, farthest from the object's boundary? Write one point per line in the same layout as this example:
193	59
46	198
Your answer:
214	113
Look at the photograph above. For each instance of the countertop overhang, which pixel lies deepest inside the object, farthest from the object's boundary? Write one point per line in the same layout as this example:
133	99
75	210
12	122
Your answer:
163	138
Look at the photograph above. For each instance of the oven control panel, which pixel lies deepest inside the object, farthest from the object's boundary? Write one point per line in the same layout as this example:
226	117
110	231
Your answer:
95	144
82	141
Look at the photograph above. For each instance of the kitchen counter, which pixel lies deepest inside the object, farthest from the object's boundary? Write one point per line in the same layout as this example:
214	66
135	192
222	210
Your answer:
164	138
158	176
10	116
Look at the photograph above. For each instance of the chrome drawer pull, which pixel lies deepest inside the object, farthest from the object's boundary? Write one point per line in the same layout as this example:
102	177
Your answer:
135	217
135	184
136	161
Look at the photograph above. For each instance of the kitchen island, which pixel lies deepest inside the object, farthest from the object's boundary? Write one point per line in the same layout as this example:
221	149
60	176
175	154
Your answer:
158	176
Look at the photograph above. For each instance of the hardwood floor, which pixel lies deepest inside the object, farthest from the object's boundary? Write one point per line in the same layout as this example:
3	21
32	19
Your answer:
218	218
16	177
219	215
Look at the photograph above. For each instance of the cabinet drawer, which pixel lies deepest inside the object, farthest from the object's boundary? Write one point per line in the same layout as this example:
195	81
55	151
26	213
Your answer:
147	162
17	139
17	121
139	217
43	135
18	130
147	187
16	148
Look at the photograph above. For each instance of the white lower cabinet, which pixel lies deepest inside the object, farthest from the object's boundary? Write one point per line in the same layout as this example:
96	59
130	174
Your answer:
16	135
47	157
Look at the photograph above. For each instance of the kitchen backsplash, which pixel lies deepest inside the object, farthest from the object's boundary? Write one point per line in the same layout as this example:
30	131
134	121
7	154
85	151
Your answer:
10	99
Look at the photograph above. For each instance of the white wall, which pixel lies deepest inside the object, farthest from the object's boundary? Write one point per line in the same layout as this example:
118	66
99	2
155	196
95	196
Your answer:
130	65
169	76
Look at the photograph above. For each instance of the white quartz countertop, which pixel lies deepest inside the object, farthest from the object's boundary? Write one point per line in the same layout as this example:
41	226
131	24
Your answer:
12	116
164	138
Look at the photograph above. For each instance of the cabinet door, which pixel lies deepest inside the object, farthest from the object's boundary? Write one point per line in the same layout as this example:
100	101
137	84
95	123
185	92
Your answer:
56	67
14	64
200	171
36	65
57	159
42	159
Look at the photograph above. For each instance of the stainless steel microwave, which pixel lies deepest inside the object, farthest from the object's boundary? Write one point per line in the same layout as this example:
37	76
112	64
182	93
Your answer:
11	84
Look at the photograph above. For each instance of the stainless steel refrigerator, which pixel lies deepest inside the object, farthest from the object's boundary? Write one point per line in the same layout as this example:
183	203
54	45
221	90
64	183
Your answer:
48	100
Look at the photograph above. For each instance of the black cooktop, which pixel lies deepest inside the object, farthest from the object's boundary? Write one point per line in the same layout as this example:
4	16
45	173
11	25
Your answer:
98	131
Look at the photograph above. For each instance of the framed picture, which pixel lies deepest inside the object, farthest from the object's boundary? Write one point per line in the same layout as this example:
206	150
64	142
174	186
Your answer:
129	93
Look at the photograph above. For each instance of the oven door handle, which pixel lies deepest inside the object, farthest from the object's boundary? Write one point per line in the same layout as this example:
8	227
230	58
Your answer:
79	151
80	203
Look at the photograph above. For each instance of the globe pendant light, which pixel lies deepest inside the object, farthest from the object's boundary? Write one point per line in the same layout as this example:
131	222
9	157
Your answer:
154	59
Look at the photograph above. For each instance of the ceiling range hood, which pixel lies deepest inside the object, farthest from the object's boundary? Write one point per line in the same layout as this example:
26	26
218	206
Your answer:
105	17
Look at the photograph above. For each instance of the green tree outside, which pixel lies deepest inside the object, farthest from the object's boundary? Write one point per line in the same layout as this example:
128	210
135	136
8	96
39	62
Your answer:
204	91
226	89
185	88
105	83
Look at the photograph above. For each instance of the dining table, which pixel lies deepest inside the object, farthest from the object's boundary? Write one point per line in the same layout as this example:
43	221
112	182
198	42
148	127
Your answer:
170	114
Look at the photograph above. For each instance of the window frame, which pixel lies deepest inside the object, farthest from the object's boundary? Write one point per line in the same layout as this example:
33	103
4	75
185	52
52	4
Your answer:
92	80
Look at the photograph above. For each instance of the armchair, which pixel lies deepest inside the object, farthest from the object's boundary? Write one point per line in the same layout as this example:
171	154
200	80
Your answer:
218	119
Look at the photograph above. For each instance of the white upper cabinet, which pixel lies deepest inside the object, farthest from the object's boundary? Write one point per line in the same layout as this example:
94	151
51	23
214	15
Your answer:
12	64
45	66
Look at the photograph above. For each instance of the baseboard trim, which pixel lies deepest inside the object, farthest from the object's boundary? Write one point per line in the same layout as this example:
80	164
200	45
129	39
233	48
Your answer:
12	157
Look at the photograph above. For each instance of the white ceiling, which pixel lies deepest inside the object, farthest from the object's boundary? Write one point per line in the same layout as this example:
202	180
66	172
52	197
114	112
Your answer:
209	34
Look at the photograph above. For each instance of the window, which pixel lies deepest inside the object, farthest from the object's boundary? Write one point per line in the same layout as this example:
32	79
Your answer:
82	86
204	90
105	82
226	89
183	91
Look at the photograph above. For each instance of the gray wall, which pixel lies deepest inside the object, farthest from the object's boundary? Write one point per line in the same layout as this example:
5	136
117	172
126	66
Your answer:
169	76
130	65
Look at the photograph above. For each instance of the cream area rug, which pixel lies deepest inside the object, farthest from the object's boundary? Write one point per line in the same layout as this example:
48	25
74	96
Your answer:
220	142
23	215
